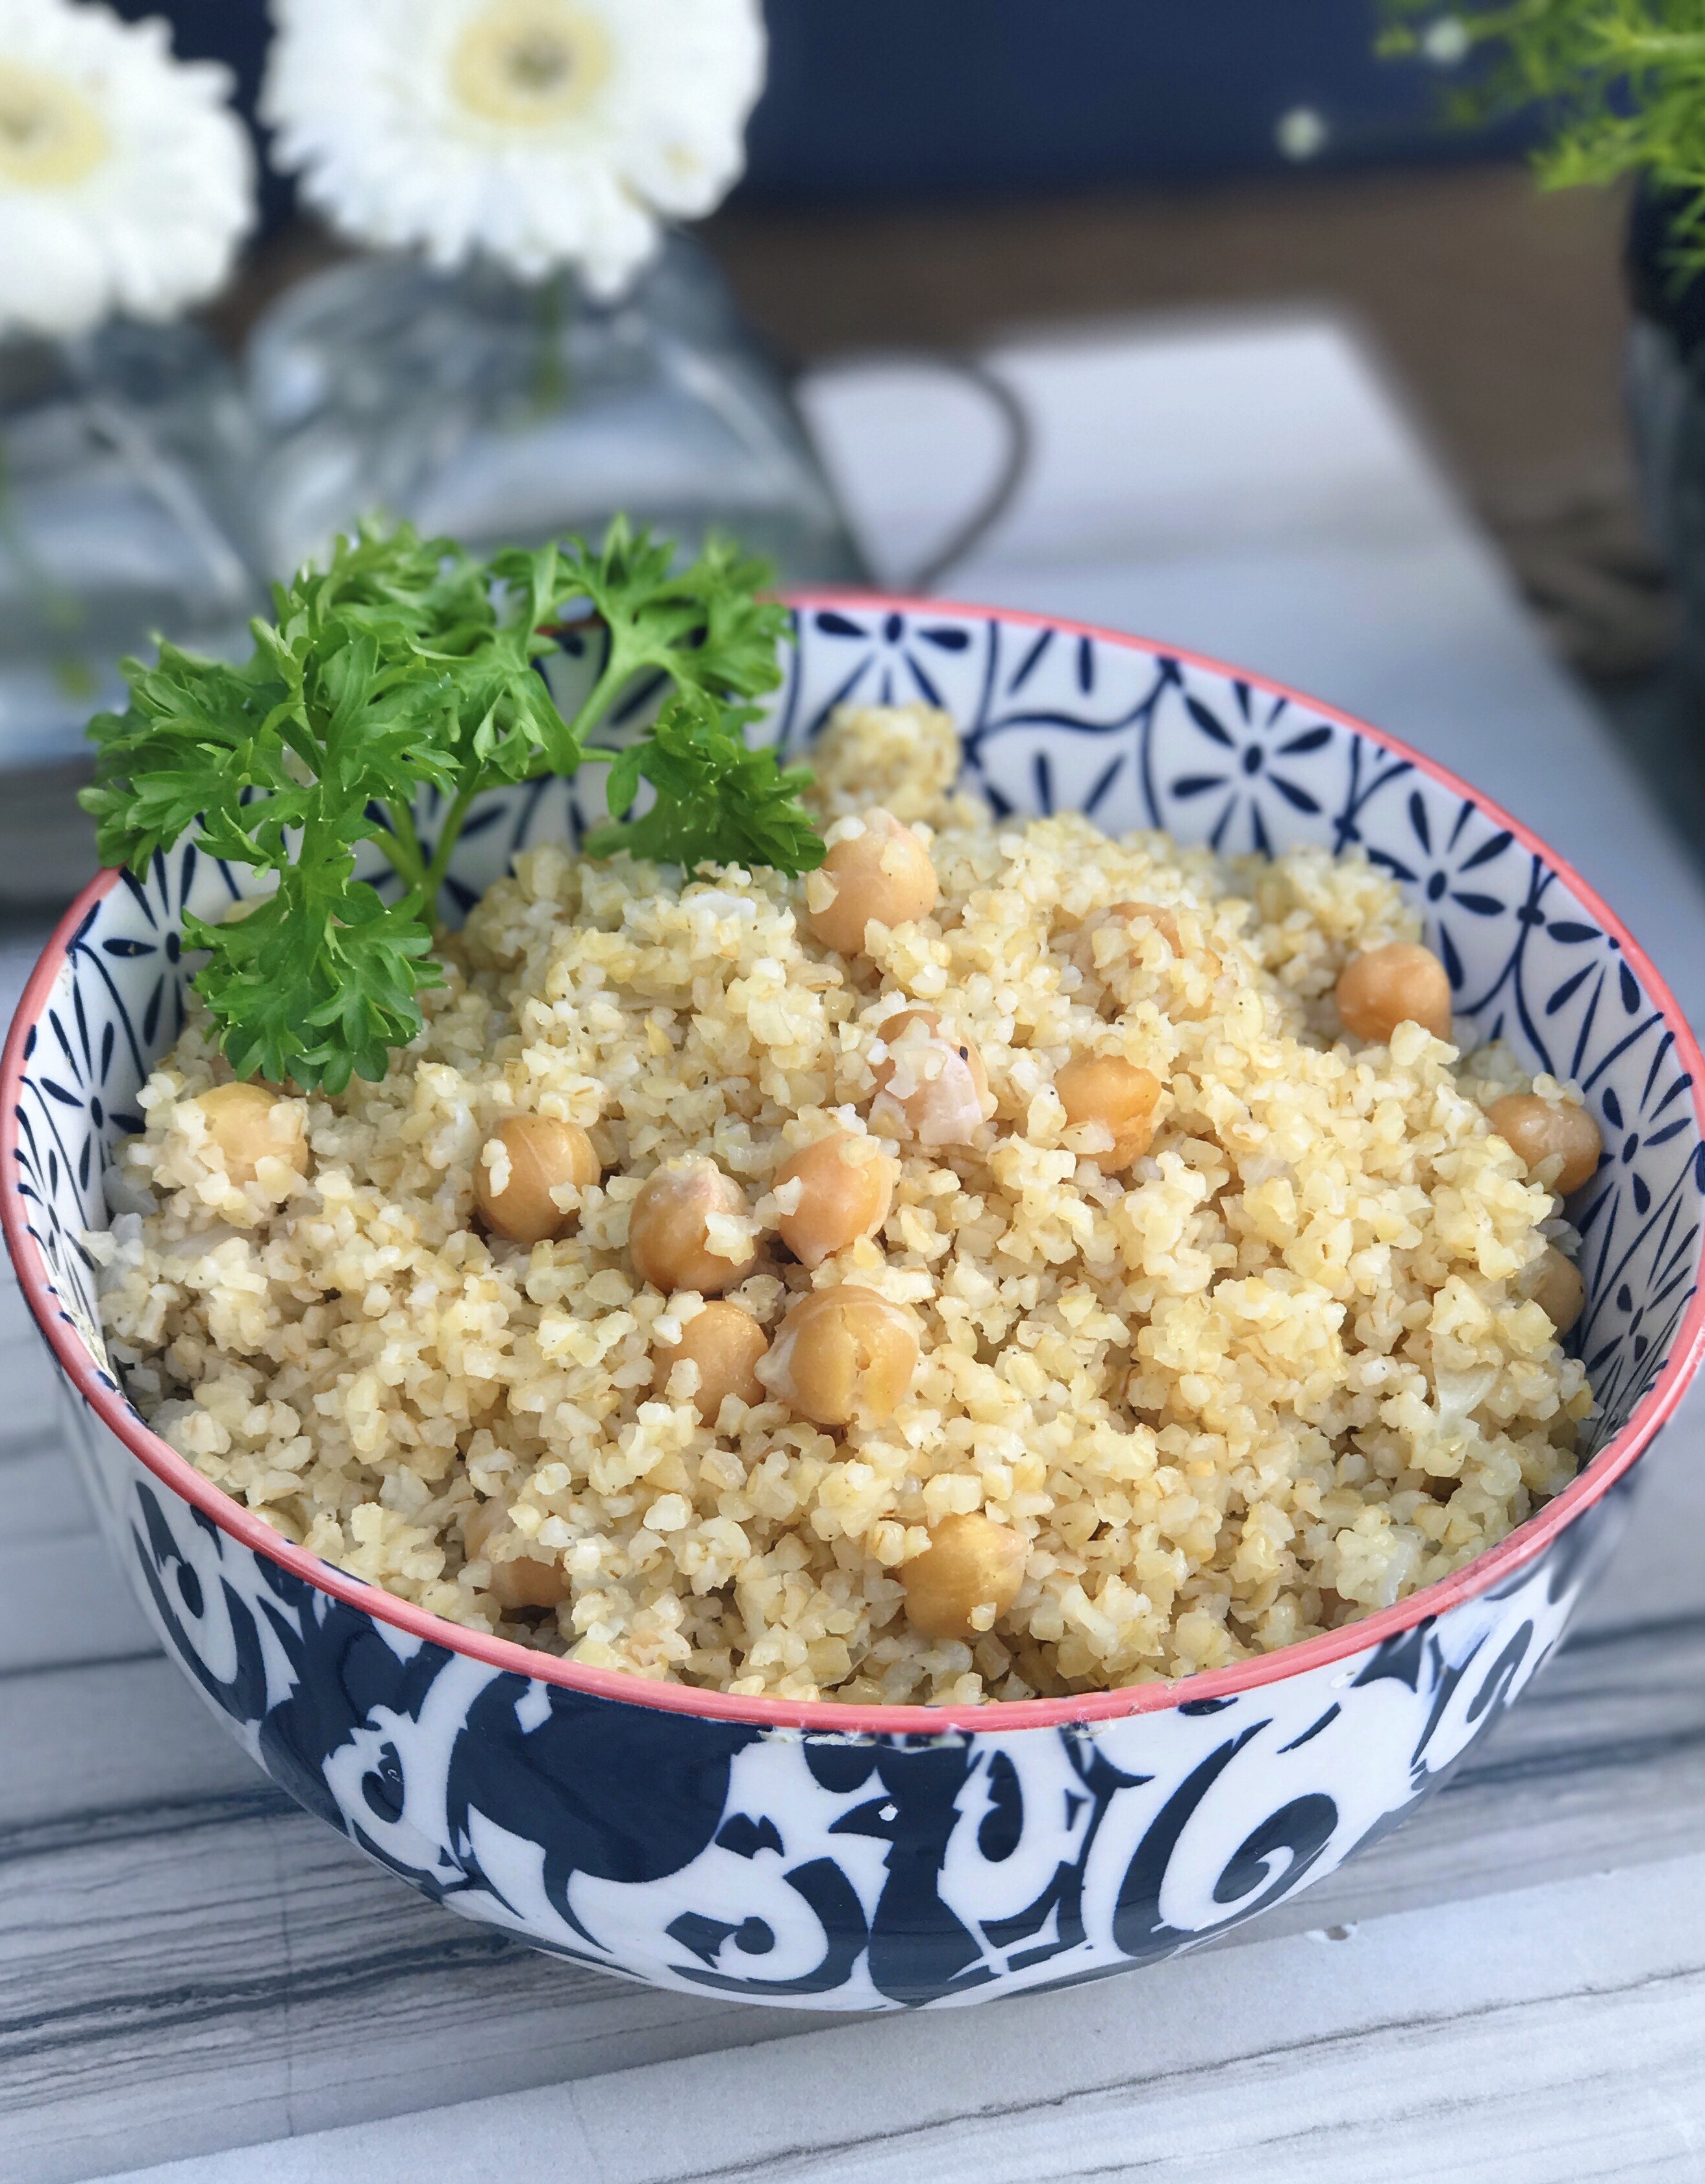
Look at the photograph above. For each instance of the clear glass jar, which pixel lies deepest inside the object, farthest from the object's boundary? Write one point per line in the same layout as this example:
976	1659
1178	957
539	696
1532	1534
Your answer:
120	460
500	414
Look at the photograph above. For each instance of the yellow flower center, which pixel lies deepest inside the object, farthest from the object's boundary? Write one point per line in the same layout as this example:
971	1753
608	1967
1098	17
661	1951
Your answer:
530	63
50	135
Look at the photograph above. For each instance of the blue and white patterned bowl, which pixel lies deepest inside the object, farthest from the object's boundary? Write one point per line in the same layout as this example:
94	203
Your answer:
842	1858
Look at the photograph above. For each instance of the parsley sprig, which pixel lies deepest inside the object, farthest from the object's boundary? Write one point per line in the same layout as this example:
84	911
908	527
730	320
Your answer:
697	759
1619	86
407	664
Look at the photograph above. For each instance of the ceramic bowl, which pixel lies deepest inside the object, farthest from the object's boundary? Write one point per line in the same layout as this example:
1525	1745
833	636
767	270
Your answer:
856	1858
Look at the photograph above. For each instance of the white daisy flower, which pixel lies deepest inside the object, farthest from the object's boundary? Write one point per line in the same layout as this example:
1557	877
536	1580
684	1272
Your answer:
541	133
127	184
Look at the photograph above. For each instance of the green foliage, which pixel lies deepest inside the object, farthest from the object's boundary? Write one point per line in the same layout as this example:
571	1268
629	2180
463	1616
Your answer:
718	801
1620	82
706	627
408	665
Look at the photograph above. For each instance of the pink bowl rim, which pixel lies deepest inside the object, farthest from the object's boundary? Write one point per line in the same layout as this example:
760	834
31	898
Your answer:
829	1717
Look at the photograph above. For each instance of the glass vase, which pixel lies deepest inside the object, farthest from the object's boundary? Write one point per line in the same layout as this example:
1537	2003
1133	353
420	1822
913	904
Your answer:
120	459
496	413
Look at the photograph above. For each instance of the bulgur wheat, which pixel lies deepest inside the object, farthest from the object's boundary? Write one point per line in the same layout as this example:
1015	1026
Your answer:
1212	1378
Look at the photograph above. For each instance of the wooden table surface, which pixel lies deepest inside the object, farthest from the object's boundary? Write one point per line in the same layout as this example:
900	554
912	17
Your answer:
194	1974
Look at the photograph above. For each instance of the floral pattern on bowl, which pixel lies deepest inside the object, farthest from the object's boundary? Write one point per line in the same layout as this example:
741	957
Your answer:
855	1858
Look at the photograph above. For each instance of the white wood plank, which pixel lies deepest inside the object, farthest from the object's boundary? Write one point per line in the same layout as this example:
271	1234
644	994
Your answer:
17	954
228	1970
186	1964
43	1500
31	1417
108	1737
181	1952
1555	2033
61	1601
176	1966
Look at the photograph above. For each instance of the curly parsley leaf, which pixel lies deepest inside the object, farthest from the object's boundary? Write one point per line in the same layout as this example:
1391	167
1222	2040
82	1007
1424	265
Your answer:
718	801
407	664
1617	88
319	981
704	626
394	670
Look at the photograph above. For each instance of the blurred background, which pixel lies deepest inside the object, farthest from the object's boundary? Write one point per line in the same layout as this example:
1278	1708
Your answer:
948	181
934	177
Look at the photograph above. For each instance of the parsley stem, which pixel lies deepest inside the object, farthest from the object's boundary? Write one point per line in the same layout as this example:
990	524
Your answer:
616	670
406	665
409	858
398	862
449	833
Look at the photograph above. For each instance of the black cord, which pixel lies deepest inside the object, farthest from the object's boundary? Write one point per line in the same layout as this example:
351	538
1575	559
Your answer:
1020	442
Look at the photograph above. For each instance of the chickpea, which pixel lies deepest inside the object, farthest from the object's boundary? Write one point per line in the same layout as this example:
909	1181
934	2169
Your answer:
541	1154
971	1564
1165	922
725	1343
532	1580
1398	984
846	1186
673	1223
842	1353
930	1086
253	1123
1537	1130
1553	1283
882	873
1107	1089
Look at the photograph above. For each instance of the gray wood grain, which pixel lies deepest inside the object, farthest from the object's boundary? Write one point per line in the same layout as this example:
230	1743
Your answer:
1560	2042
183	1955
186	1962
